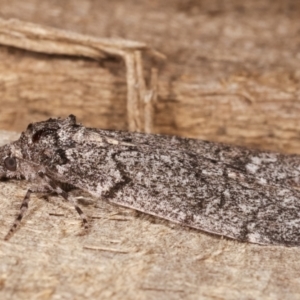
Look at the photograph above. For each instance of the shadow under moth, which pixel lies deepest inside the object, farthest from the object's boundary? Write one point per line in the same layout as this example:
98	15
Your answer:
244	194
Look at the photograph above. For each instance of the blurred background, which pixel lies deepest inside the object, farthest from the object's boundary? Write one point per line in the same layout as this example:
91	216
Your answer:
231	72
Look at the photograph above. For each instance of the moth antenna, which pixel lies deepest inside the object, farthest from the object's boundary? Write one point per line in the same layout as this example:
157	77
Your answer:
23	209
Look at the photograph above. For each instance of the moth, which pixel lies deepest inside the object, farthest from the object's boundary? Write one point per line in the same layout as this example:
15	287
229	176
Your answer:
243	194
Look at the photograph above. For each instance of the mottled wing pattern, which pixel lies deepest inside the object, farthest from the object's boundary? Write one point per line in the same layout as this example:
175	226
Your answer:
271	167
174	182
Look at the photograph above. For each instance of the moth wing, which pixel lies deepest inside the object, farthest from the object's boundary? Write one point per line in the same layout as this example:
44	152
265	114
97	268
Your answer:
283	169
210	196
186	188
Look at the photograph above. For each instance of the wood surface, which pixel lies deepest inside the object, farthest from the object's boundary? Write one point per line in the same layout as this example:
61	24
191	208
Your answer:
230	74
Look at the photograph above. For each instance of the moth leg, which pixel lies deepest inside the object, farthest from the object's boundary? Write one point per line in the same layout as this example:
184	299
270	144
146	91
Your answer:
23	209
66	196
57	189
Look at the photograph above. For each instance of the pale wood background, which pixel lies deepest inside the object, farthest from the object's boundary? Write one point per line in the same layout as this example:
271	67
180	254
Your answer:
231	74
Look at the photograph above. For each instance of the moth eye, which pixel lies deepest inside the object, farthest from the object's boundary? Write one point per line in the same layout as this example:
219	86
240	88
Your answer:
10	163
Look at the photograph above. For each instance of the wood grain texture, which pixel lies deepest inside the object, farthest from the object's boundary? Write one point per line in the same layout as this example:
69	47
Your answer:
35	86
53	43
232	72
234	78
